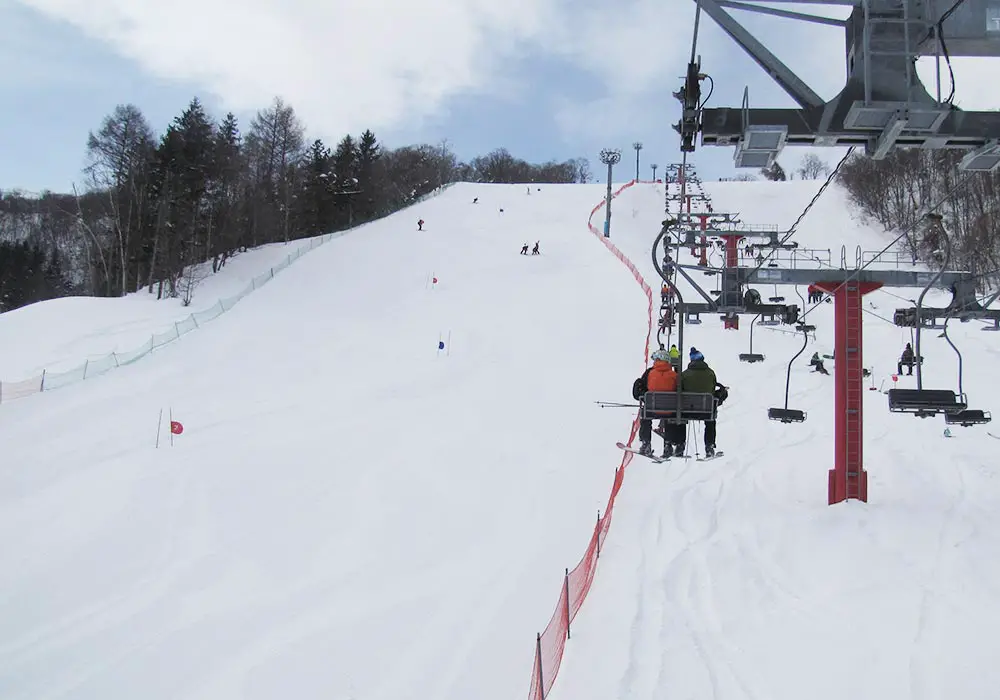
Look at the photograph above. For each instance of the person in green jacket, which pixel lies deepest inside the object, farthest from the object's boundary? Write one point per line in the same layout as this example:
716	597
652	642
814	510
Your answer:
699	378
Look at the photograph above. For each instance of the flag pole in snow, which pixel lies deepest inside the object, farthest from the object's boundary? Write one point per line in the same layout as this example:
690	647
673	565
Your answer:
442	345
159	422
171	426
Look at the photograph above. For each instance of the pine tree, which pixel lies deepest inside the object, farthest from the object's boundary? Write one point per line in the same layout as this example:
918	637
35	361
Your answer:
368	153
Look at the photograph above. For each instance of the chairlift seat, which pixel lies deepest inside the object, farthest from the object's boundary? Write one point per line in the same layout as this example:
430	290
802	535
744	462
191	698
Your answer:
751	357
968	417
692	317
776	300
769	320
805	327
663	405
786	415
925	403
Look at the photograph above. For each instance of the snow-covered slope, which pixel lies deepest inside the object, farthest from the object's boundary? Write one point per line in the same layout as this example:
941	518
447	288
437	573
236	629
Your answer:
349	512
352	513
60	334
733	579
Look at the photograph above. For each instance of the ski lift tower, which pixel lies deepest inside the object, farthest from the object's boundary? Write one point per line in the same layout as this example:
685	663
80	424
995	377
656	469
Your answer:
882	106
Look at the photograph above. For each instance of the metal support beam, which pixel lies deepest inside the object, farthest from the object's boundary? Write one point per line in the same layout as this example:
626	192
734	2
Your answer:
779	72
761	9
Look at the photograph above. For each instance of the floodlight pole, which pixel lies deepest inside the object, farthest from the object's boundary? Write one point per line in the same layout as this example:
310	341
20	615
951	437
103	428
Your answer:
609	157
654	166
638	147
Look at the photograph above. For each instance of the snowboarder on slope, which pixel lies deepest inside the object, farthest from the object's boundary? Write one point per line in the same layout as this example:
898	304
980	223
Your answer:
420	225
698	378
659	377
816	362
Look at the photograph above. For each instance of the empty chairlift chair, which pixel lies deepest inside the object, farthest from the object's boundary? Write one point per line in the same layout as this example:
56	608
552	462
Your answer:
786	414
752	356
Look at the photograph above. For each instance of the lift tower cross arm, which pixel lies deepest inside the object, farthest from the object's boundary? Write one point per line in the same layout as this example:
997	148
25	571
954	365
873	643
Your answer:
882	106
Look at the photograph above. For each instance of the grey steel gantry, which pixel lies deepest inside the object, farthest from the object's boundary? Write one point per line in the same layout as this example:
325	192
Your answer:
883	104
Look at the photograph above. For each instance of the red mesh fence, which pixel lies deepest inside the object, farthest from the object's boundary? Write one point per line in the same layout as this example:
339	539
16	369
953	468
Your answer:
551	643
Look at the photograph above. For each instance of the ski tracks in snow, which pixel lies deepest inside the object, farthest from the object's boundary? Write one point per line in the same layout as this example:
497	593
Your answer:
676	612
922	683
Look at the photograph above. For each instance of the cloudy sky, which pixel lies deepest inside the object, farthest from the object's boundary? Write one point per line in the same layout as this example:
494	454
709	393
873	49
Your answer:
547	79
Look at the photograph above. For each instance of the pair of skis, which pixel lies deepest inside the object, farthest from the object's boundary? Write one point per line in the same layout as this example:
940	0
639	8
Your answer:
661	460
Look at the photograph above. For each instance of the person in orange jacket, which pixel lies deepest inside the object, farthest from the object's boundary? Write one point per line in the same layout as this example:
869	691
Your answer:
660	377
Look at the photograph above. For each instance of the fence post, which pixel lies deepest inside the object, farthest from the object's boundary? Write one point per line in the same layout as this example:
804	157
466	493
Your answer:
41	387
114	357
598	534
195	321
86	363
566	592
253	283
272	273
538	662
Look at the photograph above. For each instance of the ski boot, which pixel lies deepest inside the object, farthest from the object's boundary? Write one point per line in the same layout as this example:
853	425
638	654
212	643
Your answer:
646	449
709	451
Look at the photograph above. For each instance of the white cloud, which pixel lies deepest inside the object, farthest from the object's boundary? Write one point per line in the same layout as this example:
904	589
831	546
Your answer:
343	64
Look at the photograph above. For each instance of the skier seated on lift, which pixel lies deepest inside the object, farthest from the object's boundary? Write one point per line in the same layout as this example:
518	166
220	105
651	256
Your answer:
675	357
659	377
907	359
817	364
699	378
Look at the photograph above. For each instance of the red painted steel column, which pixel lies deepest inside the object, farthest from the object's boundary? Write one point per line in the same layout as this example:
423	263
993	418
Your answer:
848	478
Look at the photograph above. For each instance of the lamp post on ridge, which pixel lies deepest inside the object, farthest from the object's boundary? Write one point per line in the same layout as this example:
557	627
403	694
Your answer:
610	157
638	147
654	166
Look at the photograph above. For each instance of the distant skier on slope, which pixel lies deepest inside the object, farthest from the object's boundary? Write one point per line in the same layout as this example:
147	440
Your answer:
420	225
659	377
534	251
524	249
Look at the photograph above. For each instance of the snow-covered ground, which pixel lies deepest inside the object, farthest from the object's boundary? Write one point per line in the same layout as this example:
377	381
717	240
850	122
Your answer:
352	513
61	334
733	579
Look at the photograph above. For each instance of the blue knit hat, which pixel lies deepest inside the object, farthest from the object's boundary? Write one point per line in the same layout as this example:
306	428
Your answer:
695	354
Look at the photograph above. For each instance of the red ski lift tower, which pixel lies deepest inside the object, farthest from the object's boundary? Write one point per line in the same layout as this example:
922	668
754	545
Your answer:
882	106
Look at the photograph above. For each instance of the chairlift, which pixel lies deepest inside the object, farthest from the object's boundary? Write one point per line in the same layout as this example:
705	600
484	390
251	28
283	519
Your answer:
924	403
966	417
751	356
692	317
678	406
786	414
777	298
994	327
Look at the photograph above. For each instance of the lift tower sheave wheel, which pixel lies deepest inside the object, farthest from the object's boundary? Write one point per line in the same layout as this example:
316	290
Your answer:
882	106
